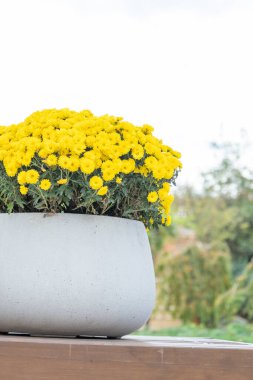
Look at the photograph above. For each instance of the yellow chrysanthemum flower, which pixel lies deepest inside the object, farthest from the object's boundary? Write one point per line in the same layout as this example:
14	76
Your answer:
108	174
22	178
63	162
43	153
137	152
51	160
32	176
62	181
166	203
73	164
147	129
152	196
27	158
87	166
103	190
151	162
90	141
159	172
117	164
127	166
144	171
96	182
107	165
23	190
162	194
150	148
118	180
168	220
45	184
11	169
166	186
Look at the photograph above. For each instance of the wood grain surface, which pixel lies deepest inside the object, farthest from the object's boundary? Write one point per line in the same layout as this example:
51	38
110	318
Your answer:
130	358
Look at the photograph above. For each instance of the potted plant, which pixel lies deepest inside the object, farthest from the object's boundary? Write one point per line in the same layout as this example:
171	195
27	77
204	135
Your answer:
76	193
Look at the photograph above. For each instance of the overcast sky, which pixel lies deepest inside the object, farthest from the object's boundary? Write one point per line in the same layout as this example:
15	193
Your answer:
185	67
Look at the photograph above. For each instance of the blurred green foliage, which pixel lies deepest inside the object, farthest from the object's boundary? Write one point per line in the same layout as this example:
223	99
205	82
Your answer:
222	213
236	331
238	300
190	283
196	285
157	237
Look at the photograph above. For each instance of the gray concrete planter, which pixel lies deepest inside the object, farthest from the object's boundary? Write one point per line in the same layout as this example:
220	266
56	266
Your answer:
70	274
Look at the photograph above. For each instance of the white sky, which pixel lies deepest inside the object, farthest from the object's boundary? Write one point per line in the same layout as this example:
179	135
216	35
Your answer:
185	67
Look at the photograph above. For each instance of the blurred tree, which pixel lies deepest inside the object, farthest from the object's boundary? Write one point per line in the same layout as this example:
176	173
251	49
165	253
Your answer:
223	213
232	184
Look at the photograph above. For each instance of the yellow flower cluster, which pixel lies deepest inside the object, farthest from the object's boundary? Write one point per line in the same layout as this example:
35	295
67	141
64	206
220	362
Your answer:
165	199
28	177
102	149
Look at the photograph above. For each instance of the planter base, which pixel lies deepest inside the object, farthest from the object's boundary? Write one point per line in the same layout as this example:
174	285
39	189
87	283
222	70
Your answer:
10	334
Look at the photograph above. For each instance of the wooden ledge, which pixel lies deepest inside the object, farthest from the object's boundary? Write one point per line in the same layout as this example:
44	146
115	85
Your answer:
129	358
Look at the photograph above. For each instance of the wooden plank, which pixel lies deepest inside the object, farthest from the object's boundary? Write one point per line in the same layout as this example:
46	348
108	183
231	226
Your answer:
130	358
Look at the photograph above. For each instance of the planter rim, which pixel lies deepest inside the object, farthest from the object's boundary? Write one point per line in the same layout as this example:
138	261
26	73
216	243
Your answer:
70	213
